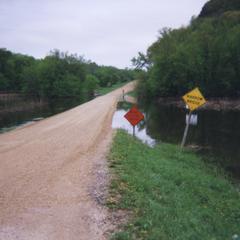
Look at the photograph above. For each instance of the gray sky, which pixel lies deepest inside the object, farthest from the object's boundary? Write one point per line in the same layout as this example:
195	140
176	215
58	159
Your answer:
109	32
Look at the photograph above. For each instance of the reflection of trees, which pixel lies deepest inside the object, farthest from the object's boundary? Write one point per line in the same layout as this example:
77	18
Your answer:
165	123
23	114
124	105
217	131
141	125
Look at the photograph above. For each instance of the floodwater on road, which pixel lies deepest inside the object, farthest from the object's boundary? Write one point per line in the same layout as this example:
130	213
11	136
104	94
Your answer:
216	137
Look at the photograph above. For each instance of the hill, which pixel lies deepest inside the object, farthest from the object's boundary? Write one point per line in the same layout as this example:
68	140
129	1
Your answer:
218	7
205	54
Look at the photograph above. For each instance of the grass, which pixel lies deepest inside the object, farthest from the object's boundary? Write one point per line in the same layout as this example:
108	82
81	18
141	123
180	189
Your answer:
132	94
172	194
105	90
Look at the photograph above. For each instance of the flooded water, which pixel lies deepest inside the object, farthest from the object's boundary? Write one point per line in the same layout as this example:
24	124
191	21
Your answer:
140	131
12	119
216	136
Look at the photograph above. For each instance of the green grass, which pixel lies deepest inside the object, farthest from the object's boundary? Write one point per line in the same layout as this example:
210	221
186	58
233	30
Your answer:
171	194
132	94
105	90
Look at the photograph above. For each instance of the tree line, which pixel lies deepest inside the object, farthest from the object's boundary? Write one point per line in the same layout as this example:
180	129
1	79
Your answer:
218	7
205	54
59	74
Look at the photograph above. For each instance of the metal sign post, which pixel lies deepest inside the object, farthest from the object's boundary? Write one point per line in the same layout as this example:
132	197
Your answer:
186	130
193	100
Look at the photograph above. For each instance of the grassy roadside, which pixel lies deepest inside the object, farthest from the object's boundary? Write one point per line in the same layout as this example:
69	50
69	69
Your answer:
171	194
132	94
105	90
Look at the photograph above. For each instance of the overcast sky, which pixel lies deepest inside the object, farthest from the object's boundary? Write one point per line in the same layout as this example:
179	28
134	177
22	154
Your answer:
109	32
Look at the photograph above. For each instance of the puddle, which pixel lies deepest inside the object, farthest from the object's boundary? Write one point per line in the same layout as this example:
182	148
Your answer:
119	122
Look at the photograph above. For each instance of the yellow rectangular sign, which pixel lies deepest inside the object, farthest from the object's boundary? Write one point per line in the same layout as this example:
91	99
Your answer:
194	99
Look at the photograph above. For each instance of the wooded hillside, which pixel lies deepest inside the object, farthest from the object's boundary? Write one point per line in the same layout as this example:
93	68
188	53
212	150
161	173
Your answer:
218	7
205	54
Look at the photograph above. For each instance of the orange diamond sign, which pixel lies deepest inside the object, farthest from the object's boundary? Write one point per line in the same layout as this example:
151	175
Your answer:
134	116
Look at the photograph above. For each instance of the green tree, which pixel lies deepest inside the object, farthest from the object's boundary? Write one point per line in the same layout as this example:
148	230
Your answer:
204	54
90	85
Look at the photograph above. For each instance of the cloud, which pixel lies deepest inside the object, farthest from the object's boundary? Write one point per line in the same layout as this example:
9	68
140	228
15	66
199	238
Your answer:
108	32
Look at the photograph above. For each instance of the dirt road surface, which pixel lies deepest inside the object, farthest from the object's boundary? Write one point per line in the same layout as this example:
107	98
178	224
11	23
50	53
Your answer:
53	174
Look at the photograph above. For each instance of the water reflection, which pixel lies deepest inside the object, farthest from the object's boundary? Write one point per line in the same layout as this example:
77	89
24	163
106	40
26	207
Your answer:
140	131
22	116
216	137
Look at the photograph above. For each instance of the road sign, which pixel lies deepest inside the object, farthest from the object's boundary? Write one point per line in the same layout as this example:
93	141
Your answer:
194	99
134	116
193	119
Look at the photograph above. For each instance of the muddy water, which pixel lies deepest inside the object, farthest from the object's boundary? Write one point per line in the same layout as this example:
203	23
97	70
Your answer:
216	136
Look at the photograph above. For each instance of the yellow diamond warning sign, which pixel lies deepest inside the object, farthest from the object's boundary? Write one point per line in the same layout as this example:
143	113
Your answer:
194	99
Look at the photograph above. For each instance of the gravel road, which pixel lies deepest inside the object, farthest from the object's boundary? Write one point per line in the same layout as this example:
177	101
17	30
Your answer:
53	174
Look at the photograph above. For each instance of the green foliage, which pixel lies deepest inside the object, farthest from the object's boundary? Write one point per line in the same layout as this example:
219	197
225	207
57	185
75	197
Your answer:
205	54
11	68
132	94
90	85
172	194
31	84
109	76
4	82
105	90
57	75
218	7
141	61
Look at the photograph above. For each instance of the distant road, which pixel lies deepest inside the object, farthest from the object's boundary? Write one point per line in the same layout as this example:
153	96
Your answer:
52	172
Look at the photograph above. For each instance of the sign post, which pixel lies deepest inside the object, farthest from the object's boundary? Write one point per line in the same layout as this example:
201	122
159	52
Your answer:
134	116
186	130
194	100
134	131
